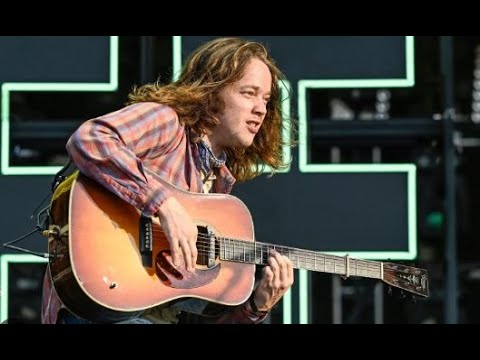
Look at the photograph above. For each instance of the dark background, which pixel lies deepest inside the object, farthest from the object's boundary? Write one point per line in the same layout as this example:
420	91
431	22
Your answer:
388	125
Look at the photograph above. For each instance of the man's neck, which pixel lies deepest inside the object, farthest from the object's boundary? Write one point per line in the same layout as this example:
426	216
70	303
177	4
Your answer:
217	150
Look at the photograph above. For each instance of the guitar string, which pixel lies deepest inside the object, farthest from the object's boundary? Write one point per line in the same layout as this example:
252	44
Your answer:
337	265
205	240
203	247
246	252
252	245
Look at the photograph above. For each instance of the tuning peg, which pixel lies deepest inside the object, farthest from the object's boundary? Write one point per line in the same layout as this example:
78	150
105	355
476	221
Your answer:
414	299
403	295
389	291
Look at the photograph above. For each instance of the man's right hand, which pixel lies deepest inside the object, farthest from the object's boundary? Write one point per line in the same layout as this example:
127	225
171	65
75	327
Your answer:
180	231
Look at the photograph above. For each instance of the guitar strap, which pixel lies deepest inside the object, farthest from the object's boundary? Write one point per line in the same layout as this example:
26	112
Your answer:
58	187
64	186
69	169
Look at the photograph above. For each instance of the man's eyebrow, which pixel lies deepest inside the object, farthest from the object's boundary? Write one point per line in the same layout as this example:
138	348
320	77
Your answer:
255	87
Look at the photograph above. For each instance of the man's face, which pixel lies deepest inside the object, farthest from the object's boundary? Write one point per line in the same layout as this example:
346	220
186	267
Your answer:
245	108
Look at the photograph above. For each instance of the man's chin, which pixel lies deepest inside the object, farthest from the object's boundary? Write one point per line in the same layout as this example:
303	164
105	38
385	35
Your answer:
248	142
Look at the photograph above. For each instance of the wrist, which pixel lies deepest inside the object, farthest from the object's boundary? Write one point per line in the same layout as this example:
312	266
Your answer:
254	308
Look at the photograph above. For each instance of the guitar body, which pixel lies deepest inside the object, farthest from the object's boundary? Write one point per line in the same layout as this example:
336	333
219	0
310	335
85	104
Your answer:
97	267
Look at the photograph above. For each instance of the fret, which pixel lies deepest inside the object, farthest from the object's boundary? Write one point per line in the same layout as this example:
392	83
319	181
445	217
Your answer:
224	245
311	260
349	263
257	253
239	255
362	269
337	267
244	253
307	261
341	266
347	266
230	254
317	264
328	266
291	255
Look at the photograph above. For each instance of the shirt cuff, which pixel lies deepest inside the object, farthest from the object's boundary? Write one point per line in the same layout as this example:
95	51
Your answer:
254	315
154	200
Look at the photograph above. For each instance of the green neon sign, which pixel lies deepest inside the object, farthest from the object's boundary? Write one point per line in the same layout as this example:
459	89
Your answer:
8	87
5	261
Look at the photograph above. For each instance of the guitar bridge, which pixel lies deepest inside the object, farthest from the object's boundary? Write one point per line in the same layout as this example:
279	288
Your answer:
146	240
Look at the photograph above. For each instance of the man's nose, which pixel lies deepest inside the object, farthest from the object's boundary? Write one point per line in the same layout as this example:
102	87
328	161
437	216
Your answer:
260	107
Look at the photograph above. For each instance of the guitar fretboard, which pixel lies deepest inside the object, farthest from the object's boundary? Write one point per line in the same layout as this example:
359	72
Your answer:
257	253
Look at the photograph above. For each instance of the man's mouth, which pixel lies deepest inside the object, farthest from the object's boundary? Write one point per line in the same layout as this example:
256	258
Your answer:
253	126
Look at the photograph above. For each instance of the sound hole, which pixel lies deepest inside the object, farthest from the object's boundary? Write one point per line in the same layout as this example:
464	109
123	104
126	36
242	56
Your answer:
206	268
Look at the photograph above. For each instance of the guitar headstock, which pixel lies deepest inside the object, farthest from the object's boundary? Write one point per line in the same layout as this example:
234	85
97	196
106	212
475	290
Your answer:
408	278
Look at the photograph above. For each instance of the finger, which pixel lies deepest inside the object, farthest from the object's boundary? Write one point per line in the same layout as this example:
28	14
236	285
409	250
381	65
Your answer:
290	269
193	251
267	276
272	262
285	272
174	250
278	257
282	265
187	256
192	256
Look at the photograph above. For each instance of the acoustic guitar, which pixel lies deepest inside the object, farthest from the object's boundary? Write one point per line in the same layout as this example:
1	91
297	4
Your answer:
108	262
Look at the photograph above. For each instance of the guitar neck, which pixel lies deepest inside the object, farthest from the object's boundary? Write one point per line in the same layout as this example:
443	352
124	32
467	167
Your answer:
257	253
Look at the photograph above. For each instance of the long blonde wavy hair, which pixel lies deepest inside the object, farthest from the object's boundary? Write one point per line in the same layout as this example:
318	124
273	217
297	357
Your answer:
195	98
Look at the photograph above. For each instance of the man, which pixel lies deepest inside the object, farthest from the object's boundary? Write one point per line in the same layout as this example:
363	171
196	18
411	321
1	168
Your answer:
219	123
